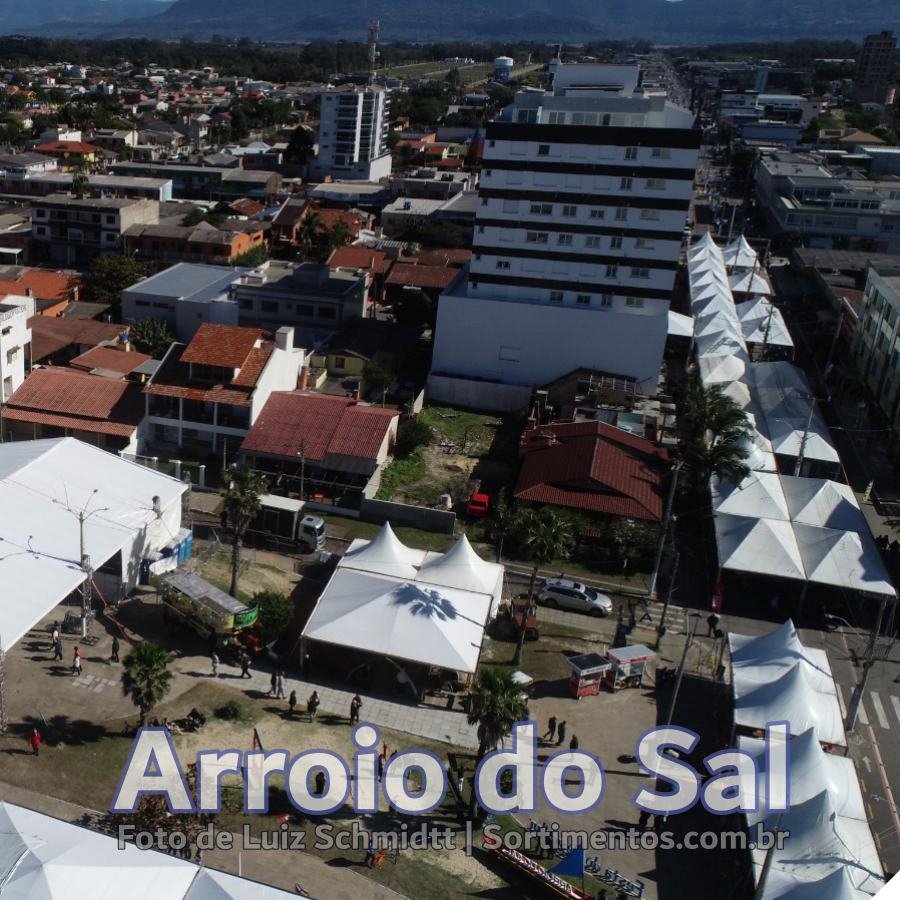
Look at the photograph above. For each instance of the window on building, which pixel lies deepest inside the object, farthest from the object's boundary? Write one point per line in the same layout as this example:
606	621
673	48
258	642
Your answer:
327	312
536	237
656	184
304	309
625	184
141	302
556	296
634	302
639	272
484	201
598	214
615	243
660	153
606	300
592	242
340	362
644	244
583	299
269	306
651	215
109	220
570	211
621	213
612	270
502	263
631	153
564	240
541	209
543	149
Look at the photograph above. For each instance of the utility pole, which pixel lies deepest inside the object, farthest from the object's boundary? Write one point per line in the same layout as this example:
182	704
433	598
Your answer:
664	531
765	340
302	468
869	660
661	628
82	515
767	864
803	440
695	617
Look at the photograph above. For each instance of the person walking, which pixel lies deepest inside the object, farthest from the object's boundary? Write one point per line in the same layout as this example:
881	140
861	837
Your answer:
292	703
643	819
76	662
560	733
114	656
279	685
57	648
312	706
35	740
355	705
54	638
214	659
273	684
712	622
551	729
245	664
573	744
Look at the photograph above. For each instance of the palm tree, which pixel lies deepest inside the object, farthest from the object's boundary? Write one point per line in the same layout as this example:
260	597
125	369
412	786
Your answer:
146	678
545	536
241	490
81	174
495	705
503	523
724	459
309	231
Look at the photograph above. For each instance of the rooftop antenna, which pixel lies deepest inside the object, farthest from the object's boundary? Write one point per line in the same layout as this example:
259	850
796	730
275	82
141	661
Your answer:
374	32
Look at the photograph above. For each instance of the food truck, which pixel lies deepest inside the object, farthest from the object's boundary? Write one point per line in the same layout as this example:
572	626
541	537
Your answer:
190	599
588	673
627	666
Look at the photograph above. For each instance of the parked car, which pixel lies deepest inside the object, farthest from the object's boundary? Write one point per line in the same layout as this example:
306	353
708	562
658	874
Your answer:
479	505
566	594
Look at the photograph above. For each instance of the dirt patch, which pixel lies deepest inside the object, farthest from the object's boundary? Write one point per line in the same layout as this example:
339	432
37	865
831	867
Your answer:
257	573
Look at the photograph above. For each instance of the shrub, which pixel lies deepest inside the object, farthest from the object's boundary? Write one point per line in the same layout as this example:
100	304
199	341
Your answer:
232	711
411	435
276	612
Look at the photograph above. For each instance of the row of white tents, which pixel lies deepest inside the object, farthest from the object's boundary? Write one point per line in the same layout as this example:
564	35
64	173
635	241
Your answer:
804	529
829	852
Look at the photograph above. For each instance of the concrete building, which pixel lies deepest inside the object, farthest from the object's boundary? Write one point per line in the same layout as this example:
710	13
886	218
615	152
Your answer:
15	340
206	182
184	296
206	395
802	198
310	297
581	209
352	137
41	185
70	231
876	343
876	63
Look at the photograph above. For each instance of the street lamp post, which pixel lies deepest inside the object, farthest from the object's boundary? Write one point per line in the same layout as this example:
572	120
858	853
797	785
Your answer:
692	632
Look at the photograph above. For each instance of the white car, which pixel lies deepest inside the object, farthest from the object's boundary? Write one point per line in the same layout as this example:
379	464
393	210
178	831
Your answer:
566	594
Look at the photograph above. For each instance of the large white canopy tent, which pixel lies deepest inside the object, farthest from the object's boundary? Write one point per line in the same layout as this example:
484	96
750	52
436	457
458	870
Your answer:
762	322
821	842
758	495
739	254
791	698
836	886
42	858
133	511
758	546
406	604
750	282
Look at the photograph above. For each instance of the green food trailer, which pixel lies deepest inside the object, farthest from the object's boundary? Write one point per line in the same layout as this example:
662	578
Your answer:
202	606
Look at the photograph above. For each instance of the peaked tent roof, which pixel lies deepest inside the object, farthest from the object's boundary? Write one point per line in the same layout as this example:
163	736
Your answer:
385	554
811	769
836	886
758	495
782	642
739	254
828	504
761	546
752	282
462	568
723	369
792	699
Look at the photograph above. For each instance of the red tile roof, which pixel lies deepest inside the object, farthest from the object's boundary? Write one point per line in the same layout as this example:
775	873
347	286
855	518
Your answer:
45	285
66	147
70	399
421	276
50	334
595	467
327	427
111	359
227	346
444	256
374	261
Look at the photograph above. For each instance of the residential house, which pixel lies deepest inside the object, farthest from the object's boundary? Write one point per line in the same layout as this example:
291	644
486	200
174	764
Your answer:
593	467
70	154
206	182
57	340
338	445
115	361
208	393
346	353
59	402
375	264
71	231
52	291
201	243
15	341
16	168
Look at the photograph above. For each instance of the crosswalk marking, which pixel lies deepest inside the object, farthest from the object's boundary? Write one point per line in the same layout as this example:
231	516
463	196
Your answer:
862	713
879	709
896	704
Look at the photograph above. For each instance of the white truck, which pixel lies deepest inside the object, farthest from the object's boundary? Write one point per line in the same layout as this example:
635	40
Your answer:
282	517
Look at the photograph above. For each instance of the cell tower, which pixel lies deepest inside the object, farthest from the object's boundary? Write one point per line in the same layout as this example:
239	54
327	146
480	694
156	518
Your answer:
374	31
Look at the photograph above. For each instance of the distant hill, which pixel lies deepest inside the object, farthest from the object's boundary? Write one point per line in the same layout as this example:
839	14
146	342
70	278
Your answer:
682	21
23	17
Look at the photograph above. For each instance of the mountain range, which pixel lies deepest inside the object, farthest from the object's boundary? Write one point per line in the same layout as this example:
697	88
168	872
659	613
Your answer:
661	21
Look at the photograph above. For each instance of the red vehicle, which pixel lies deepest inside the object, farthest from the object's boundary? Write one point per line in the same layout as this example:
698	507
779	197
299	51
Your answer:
479	505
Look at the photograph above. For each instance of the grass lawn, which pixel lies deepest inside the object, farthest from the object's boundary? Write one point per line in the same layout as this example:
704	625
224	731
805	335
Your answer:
255	576
544	659
402	472
472	432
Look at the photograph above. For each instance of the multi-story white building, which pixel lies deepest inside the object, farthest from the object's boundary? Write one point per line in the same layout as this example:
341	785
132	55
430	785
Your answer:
15	337
352	137
584	194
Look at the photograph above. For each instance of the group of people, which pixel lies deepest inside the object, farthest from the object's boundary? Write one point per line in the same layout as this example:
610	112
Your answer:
557	731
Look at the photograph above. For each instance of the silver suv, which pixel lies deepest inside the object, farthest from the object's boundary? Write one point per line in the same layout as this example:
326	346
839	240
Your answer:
574	595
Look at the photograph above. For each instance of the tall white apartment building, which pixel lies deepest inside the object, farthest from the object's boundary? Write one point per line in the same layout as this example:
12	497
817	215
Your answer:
15	338
353	129
584	194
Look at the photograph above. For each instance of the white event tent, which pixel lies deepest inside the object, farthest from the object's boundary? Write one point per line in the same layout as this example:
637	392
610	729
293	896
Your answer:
762	322
411	605
132	512
42	858
739	254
